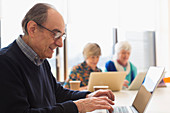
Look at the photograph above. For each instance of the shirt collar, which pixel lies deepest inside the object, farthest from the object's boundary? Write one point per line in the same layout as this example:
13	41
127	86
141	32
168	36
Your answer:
28	51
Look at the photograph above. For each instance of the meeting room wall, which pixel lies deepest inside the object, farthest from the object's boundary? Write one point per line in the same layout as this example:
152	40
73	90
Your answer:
94	20
163	35
141	16
161	27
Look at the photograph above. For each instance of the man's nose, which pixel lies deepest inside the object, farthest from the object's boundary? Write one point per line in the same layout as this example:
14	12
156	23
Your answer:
59	42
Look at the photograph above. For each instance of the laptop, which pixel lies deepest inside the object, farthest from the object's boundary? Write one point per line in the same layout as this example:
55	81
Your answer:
137	82
145	92
114	80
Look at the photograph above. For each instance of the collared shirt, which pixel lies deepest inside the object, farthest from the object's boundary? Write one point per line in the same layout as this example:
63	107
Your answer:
80	72
28	51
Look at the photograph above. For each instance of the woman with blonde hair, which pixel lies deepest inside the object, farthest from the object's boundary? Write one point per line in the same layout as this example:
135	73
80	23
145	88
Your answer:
122	63
91	53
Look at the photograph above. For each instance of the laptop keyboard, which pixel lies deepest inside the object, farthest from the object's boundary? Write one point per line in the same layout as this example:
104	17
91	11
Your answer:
120	109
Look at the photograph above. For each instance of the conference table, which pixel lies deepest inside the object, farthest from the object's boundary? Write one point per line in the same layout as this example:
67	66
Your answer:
159	102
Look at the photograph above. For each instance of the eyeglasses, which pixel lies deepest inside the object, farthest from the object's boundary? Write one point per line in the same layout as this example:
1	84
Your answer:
56	35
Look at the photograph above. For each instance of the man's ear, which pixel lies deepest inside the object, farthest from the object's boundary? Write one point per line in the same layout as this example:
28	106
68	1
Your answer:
31	28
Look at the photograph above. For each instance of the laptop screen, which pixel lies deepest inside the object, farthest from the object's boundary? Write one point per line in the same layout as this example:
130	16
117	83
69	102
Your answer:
153	77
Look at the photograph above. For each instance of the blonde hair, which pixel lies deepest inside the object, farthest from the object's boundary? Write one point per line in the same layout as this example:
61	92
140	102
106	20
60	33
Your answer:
91	49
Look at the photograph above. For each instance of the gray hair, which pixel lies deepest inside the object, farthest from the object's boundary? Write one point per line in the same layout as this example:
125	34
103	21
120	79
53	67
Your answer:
123	45
37	13
91	49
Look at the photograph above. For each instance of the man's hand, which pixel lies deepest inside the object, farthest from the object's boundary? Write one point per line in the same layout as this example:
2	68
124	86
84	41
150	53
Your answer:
93	103
100	99
98	93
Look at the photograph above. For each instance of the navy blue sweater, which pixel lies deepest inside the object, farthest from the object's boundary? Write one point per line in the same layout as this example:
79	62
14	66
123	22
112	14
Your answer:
28	88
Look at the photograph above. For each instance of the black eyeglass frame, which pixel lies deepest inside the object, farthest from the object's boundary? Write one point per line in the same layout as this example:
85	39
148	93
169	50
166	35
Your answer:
56	35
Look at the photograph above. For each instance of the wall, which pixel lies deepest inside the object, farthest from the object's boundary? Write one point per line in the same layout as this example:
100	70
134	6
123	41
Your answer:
94	16
169	37
163	35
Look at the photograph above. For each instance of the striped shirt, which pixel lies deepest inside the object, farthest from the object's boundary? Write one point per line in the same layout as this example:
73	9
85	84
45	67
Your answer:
28	51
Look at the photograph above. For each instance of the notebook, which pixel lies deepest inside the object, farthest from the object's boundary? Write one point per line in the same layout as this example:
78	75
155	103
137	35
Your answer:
114	80
137	82
145	92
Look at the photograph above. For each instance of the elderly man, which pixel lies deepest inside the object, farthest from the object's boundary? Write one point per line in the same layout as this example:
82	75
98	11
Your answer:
26	82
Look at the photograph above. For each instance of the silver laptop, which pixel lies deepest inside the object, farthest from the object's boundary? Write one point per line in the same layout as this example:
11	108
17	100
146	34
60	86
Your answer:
114	80
152	79
137	82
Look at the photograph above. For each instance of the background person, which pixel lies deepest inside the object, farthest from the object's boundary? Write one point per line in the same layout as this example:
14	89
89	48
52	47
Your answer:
122	63
26	82
91	53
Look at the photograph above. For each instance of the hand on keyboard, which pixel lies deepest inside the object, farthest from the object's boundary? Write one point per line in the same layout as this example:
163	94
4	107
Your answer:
93	103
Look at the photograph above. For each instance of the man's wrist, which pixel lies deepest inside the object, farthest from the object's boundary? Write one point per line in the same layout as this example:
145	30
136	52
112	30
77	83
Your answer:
87	95
78	104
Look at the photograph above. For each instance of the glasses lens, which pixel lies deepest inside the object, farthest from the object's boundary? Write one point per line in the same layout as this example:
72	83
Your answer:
57	35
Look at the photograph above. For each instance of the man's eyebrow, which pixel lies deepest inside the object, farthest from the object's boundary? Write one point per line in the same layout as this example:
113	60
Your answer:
56	30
